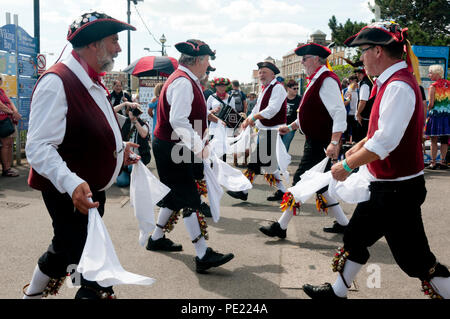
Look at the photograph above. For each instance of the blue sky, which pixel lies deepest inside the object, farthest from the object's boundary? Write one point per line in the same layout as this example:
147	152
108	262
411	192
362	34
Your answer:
243	32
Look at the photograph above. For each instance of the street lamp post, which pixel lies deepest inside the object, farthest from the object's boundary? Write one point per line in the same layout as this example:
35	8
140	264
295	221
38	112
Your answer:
163	40
129	38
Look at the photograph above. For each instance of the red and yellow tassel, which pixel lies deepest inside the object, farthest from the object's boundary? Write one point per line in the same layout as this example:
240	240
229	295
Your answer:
289	202
270	178
201	187
321	203
250	175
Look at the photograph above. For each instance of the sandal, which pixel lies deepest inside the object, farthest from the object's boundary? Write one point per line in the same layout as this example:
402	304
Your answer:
9	173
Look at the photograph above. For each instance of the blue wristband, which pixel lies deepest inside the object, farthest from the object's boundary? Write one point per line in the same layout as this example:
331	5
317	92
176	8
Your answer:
290	128
346	167
253	118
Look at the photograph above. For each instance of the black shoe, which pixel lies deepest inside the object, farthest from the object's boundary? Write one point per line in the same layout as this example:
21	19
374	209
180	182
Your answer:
324	291
443	166
274	230
238	195
335	229
95	294
205	210
211	259
163	244
277	196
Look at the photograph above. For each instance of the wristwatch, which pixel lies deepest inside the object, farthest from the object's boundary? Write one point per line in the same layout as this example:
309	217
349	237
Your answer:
334	143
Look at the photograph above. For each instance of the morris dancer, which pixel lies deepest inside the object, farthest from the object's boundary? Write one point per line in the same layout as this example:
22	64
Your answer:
268	115
397	188
75	148
182	117
322	118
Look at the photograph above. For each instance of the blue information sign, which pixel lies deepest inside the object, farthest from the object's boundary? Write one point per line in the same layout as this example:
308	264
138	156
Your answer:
24	110
26	44
8	63
8	37
26	86
27	65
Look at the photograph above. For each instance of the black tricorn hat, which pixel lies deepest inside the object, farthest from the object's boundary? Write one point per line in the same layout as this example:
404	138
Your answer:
195	48
94	26
313	49
269	65
378	33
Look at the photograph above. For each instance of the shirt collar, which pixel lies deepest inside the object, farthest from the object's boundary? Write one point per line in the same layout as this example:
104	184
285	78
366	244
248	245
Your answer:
189	72
79	71
389	71
271	82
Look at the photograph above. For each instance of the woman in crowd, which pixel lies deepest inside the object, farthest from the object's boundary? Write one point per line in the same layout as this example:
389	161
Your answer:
152	106
8	118
438	122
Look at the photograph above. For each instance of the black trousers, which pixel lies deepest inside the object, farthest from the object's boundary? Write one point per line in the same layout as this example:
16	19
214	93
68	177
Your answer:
69	233
313	153
360	130
178	169
393	211
265	154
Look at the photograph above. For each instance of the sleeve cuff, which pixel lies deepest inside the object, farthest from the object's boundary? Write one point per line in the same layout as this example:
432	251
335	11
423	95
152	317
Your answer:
71	184
374	147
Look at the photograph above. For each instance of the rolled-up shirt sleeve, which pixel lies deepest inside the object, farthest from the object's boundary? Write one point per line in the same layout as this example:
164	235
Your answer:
396	110
275	102
330	94
180	96
46	131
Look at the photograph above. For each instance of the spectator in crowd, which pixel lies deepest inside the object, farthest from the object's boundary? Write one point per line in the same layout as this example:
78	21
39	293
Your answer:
152	106
8	119
240	99
206	85
351	104
438	122
137	131
251	102
293	102
364	105
118	96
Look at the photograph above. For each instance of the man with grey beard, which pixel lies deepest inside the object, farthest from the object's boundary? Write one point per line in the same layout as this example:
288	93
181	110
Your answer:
75	149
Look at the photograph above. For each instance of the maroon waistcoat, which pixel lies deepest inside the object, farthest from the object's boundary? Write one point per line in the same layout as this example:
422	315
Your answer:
197	117
315	121
280	117
89	144
406	159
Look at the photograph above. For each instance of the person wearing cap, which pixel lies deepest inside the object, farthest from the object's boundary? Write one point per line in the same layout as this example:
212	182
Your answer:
75	148
268	115
397	187
178	150
364	105
322	119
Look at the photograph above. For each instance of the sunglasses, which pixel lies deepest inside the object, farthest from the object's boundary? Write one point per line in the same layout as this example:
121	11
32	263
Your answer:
306	58
366	49
294	88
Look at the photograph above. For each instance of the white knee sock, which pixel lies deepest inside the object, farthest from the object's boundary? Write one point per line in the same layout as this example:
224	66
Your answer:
163	217
285	218
335	211
442	286
193	229
279	183
38	283
351	269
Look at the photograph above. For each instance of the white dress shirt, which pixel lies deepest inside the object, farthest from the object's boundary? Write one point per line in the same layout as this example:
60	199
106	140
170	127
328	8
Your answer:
331	97
47	128
275	103
396	109
180	96
364	92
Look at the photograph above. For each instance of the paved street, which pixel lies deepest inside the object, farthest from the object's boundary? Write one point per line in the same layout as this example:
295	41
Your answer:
262	267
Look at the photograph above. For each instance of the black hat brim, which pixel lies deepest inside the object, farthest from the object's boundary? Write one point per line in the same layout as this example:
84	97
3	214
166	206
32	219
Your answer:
371	36
97	30
313	49
192	49
268	65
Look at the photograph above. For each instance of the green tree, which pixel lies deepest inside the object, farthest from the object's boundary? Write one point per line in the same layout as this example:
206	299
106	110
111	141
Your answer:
428	21
341	32
343	71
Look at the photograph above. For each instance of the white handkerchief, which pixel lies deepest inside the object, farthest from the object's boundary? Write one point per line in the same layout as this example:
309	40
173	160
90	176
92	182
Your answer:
311	181
229	177
354	189
219	143
283	158
215	192
145	192
99	261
